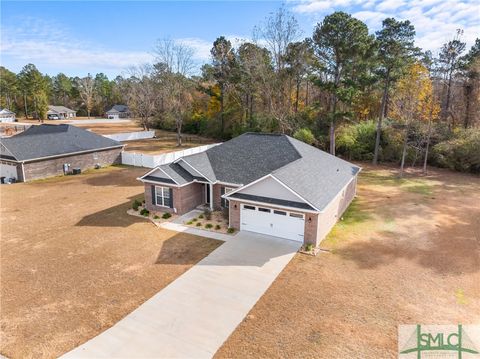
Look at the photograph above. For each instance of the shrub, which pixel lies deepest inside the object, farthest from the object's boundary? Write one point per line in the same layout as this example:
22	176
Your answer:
460	153
208	214
199	224
309	247
136	204
166	215
217	227
357	141
304	135
156	217
230	230
145	212
194	219
208	225
200	216
190	222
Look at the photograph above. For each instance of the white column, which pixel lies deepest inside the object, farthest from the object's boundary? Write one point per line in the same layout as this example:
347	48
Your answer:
211	196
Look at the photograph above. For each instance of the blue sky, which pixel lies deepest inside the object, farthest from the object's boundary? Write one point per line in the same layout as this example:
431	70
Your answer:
93	36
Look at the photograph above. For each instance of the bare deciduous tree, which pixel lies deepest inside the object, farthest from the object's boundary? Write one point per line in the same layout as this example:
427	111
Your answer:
279	30
177	57
86	89
142	94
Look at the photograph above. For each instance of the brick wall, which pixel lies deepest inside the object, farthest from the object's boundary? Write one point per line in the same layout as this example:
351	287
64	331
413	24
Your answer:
185	198
311	228
54	167
217	204
234	215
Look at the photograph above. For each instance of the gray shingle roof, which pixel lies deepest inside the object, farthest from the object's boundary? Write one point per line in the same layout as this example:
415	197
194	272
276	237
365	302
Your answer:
53	140
118	108
317	176
59	109
250	156
311	173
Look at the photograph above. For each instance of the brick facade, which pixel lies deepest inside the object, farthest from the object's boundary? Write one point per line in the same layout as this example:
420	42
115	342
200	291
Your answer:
234	214
311	228
185	198
54	167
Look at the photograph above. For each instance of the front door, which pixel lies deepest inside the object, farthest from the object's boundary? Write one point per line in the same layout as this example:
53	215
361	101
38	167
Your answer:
207	193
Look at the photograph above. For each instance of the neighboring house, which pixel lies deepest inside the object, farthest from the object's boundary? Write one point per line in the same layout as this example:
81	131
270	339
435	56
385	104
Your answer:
118	111
6	115
61	111
49	150
271	184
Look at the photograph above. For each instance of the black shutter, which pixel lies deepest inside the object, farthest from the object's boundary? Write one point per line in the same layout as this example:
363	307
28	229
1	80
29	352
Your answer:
154	199
171	198
223	201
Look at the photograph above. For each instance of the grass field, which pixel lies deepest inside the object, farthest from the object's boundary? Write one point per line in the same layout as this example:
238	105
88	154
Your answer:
73	263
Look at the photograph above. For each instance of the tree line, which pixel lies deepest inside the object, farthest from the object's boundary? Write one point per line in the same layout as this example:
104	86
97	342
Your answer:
367	96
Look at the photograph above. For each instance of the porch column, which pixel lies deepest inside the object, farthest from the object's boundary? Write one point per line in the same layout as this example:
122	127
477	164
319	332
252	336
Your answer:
211	196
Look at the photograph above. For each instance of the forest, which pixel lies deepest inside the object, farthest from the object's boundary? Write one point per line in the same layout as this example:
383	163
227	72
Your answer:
358	94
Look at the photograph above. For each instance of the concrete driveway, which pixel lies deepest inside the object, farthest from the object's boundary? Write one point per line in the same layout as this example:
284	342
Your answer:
194	315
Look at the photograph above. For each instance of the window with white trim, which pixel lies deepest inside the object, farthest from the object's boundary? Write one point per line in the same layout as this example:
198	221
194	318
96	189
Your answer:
162	196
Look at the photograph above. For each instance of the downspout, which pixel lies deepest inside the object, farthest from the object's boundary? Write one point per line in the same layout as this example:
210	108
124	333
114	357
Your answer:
23	172
211	196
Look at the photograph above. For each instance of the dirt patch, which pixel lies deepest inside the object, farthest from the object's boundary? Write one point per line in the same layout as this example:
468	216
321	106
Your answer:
217	222
406	252
73	262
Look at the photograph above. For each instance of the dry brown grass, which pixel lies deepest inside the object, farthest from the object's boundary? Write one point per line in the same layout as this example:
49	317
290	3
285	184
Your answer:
73	262
407	252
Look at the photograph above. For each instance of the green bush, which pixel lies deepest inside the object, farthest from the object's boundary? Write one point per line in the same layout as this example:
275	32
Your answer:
309	247
145	212
156	217
136	204
200	216
461	153
166	215
199	224
357	141
208	225
230	230
304	135
218	227
190	222
194	219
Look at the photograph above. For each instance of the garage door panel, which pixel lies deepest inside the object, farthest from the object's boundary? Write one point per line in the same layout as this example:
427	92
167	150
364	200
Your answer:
272	222
8	171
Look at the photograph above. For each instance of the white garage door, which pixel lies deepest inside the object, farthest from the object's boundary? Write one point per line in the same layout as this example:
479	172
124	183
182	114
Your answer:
8	171
278	223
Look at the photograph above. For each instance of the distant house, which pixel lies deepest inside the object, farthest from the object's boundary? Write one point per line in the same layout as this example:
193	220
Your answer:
51	150
6	115
60	113
118	111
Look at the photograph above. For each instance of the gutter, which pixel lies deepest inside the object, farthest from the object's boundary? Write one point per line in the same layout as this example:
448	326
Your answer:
72	153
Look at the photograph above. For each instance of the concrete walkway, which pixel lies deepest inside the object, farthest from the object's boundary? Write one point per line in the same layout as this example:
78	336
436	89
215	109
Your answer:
194	315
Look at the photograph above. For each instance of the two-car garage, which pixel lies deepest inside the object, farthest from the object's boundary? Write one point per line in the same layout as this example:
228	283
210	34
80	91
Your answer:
273	222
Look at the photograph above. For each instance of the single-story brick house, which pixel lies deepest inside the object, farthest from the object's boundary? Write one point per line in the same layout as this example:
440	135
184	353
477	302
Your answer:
49	150
270	184
118	111
61	112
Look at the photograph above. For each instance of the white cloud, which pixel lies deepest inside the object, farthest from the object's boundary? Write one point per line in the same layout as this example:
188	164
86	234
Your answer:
38	42
435	21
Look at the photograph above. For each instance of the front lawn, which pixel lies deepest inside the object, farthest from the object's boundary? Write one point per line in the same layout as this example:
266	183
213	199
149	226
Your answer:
73	262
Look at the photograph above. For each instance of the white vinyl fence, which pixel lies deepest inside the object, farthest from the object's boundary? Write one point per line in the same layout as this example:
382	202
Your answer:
131	136
151	161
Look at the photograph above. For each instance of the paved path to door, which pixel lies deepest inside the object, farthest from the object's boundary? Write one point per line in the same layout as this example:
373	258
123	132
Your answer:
194	315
